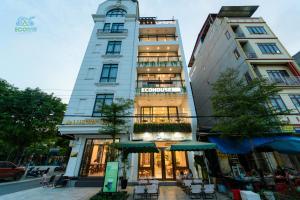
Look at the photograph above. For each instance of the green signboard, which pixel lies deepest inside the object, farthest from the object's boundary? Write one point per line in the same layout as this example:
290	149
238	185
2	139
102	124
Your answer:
111	177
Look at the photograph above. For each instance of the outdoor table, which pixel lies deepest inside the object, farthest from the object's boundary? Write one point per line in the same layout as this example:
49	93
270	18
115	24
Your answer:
248	195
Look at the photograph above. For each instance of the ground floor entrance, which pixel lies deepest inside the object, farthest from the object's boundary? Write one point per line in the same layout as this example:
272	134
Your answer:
165	165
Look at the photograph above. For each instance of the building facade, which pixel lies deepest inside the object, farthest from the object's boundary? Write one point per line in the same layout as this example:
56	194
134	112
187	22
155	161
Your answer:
137	58
297	58
233	38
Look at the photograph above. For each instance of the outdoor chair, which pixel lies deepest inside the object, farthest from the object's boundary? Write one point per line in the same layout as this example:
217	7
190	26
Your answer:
139	192
153	191
154	182
61	182
143	182
197	181
50	182
186	185
209	191
195	191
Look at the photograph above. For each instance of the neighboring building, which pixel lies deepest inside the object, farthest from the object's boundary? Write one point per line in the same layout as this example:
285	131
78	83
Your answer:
234	39
297	58
138	58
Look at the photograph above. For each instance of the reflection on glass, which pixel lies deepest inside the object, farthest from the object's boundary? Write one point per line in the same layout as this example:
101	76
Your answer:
145	165
157	165
180	159
168	165
95	157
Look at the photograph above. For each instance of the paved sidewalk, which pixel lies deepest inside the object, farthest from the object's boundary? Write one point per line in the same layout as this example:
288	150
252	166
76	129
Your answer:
81	193
69	193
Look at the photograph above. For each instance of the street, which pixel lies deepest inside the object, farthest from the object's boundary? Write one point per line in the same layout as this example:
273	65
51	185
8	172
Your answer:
11	187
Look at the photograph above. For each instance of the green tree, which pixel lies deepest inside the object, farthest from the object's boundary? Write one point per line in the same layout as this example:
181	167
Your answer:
26	117
114	117
244	109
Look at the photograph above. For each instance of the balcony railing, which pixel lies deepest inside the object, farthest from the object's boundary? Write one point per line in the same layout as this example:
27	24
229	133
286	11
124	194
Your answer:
153	20
162	118
292	80
160	64
240	35
159	58
159	84
251	55
157	38
104	31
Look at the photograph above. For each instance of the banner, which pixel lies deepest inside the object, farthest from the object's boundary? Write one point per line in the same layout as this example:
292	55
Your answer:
111	177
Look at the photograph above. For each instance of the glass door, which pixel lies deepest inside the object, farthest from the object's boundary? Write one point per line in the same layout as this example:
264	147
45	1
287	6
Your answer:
158	165
168	165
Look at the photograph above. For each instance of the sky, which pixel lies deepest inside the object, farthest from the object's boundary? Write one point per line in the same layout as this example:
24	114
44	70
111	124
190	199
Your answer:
50	57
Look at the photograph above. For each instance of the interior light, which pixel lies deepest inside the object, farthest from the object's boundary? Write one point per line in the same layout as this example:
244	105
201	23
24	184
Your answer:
158	69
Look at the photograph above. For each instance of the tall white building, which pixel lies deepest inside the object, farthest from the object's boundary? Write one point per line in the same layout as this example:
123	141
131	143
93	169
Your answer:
233	38
138	58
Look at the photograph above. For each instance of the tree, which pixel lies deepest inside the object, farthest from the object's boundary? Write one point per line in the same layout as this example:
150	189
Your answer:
243	108
114	117
26	117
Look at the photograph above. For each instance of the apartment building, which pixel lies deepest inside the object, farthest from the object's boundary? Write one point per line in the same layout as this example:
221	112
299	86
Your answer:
233	38
138	58
297	58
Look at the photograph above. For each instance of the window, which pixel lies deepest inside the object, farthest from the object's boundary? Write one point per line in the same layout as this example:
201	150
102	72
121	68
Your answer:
227	34
296	100
117	12
113	47
101	100
237	54
256	30
278	76
117	27
278	103
109	73
269	48
106	27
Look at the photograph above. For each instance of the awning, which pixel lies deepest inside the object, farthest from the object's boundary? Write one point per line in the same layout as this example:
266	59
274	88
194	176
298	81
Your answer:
288	145
192	146
137	147
237	145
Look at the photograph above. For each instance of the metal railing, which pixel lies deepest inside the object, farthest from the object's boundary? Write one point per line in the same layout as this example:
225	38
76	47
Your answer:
158	58
240	35
162	118
153	20
159	83
160	64
101	31
291	80
157	38
251	55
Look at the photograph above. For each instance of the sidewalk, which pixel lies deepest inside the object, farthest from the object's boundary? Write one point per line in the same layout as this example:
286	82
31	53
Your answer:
80	193
70	193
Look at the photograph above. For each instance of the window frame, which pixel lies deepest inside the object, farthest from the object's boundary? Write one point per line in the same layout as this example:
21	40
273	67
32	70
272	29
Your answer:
106	27
278	107
106	95
269	48
115	27
114	45
116	12
295	98
257	30
109	77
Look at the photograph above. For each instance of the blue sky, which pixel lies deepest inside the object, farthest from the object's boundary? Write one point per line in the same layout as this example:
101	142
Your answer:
50	57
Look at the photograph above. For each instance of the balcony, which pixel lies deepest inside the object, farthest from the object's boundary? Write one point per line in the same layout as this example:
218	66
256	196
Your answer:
162	123
285	81
251	55
157	38
240	35
158	59
112	32
153	20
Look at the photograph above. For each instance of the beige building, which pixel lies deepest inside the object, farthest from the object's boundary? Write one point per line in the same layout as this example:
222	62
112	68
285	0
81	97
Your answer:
233	38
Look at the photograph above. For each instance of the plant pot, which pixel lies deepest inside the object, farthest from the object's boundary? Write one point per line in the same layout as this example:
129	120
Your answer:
124	183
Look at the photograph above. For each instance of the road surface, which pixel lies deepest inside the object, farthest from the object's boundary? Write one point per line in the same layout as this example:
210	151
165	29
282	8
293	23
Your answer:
15	186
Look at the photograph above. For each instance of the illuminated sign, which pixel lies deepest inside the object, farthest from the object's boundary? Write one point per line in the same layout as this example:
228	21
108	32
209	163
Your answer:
160	90
83	122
